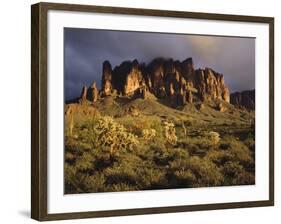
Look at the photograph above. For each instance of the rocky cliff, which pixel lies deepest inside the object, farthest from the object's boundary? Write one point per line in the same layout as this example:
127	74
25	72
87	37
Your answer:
244	99
165	78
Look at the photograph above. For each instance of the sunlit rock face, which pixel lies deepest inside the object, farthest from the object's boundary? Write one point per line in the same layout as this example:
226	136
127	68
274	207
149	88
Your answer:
244	99
93	93
211	85
165	78
107	78
133	79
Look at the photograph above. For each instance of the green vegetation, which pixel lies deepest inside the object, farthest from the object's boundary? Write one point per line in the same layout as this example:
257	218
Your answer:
157	147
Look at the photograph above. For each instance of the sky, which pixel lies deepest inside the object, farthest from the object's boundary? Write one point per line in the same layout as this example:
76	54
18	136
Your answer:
86	49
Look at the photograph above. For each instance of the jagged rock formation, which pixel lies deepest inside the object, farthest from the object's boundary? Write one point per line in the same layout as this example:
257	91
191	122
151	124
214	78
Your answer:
244	99
83	96
211	85
165	78
177	81
93	93
106	78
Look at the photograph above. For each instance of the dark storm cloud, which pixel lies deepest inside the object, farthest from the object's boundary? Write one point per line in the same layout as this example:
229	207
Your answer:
86	49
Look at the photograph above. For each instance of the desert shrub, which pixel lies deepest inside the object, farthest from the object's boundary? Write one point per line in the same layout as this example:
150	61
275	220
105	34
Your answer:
165	155
77	145
101	161
237	175
170	133
153	177
194	146
69	180
111	136
250	143
120	187
241	153
206	172
198	149
157	126
238	150
75	181
96	183
135	125
232	168
199	145
121	174
183	178
213	137
244	178
69	157
84	162
148	134
219	157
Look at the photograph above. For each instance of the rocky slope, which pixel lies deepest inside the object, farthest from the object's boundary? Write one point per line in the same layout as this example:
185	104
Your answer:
177	81
244	99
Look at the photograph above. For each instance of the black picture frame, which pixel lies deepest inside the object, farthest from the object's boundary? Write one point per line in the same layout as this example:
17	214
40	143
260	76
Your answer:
39	107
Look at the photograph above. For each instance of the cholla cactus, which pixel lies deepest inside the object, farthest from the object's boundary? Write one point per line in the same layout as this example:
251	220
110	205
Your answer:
148	134
113	136
214	137
170	133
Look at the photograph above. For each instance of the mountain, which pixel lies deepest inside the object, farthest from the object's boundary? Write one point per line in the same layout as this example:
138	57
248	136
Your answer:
165	78
244	99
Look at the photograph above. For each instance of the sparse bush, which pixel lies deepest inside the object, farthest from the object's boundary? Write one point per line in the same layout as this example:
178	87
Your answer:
237	175
165	155
232	168
85	162
206	172
184	178
148	134
120	187
170	133
213	137
134	125
244	178
220	157
96	183
250	143
154	178
238	150
119	175
111	136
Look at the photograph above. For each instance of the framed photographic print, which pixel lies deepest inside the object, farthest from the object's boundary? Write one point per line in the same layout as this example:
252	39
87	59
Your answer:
138	111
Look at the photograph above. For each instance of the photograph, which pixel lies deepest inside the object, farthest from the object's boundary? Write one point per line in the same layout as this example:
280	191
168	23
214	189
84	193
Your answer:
152	111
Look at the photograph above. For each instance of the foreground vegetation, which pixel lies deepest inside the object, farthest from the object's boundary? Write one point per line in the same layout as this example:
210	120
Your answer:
143	150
